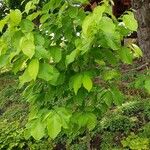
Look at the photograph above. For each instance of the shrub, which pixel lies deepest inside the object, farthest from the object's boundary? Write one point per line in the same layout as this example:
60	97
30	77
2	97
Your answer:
135	142
120	123
132	108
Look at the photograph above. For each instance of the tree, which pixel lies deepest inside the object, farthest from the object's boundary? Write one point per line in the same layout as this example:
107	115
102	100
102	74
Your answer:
142	14
60	60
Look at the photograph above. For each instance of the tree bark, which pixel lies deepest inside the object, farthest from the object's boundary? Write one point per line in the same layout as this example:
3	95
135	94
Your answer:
142	14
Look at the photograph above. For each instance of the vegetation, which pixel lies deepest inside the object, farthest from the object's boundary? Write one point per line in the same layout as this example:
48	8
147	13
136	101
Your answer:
71	80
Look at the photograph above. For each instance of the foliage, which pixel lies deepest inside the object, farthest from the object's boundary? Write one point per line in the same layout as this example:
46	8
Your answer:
14	118
135	142
60	61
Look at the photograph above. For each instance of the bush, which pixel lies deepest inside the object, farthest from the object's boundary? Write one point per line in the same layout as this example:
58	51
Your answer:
120	123
132	108
136	142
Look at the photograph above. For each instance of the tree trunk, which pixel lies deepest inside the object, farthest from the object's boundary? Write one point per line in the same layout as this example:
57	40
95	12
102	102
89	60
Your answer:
142	15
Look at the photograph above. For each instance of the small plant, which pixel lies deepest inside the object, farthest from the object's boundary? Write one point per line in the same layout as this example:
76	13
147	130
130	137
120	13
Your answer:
120	123
135	142
132	108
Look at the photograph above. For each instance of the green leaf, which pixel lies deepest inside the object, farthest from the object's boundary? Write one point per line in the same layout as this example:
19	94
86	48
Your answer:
98	13
56	53
24	78
26	25
130	21
65	116
117	96
33	68
29	6
39	39
77	82
108	98
33	15
87	82
27	47
15	17
92	121
3	60
70	58
38	129
107	25
18	64
48	73
41	52
126	55
54	125
137	51
51	5
87	26
44	18
73	12
87	119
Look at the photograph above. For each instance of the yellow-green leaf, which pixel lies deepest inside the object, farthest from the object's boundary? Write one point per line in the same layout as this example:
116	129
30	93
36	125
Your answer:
87	82
33	68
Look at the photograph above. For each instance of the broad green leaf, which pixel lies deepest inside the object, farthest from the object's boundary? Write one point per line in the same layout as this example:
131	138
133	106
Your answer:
137	51
82	119
65	116
77	82
117	96
54	125
18	64
3	60
48	73
39	39
29	6
41	52
92	121
44	18
87	24
27	47
126	55
33	68
24	78
107	25
16	40
108	98
15	17
38	129
98	13
87	82
70	58
56	53
51	5
73	12
33	15
87	120
130	21
26	25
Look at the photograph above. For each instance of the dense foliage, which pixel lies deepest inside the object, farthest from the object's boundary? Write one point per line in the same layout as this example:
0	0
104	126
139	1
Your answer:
124	127
68	60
